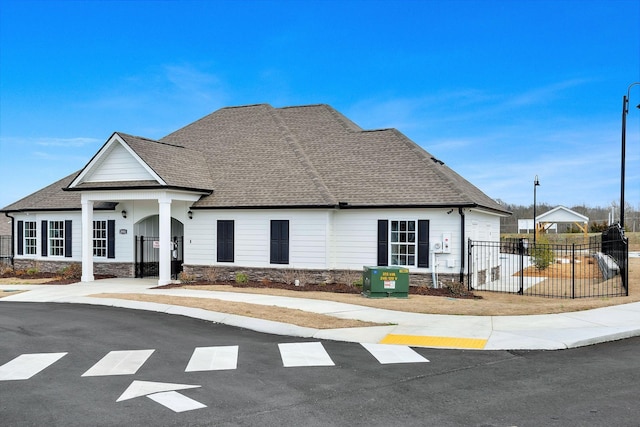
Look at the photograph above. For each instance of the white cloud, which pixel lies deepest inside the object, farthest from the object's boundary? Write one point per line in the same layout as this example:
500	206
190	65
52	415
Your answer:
10	141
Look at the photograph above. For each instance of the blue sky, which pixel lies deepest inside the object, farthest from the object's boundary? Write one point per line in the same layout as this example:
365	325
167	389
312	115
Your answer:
500	91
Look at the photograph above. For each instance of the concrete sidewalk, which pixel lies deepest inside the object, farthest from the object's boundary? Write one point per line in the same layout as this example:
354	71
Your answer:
534	332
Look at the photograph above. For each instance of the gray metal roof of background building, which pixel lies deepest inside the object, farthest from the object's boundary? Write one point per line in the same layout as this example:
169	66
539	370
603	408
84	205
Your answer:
305	156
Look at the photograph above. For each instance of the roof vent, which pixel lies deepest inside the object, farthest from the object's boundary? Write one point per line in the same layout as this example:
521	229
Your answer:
437	161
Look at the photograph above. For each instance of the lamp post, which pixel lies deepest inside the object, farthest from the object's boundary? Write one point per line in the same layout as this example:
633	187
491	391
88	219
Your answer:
625	111
535	229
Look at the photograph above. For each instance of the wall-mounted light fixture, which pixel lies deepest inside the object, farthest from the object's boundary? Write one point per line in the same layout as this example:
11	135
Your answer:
190	215
124	213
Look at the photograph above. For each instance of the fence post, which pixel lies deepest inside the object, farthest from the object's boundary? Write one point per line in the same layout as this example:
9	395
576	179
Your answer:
521	251
573	271
469	265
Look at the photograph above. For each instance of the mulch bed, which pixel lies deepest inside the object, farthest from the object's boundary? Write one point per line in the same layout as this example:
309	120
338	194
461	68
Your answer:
333	287
56	279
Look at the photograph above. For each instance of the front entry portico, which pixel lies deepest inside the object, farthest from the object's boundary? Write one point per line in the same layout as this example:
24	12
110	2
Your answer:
169	203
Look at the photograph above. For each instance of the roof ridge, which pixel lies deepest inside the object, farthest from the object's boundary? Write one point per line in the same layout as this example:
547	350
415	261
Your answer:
155	141
425	155
301	154
342	119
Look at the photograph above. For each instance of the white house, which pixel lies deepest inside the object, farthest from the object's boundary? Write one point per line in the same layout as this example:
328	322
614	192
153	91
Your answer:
261	190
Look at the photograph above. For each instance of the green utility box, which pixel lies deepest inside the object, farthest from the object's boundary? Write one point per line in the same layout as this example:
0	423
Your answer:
383	282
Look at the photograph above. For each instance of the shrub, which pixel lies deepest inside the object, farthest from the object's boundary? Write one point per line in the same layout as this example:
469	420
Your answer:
185	277
211	274
289	276
351	278
242	278
6	269
72	272
542	253
456	288
304	277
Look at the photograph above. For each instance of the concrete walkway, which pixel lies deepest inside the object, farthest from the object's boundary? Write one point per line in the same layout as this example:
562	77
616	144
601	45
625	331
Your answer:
535	332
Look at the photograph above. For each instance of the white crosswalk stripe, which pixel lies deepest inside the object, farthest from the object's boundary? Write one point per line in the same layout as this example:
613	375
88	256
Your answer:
386	353
213	359
304	354
26	366
119	363
203	359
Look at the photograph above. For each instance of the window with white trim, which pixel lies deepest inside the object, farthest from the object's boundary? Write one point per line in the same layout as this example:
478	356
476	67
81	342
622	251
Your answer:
56	238
403	243
30	238
100	239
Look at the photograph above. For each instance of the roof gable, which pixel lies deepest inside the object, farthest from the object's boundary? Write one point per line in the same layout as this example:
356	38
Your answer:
116	161
562	214
131	161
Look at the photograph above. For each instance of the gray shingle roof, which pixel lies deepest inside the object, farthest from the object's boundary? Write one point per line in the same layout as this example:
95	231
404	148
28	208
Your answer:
307	156
52	197
313	155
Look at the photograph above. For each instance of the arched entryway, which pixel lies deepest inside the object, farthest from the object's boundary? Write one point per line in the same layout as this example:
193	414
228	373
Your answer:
147	248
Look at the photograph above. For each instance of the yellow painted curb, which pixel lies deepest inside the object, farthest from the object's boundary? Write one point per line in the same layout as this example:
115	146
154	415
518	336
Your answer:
427	341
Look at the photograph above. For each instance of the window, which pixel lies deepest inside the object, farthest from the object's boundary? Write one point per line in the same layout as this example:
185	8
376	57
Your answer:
403	243
56	238
30	238
100	238
225	241
279	242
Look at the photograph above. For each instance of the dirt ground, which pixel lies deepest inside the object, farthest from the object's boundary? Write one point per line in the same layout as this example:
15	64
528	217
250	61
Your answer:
490	303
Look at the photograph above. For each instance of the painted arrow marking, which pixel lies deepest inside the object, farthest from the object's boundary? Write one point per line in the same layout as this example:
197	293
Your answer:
164	394
176	401
145	388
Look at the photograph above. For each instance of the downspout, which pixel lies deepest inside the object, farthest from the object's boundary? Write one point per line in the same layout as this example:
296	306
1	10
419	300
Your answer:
434	275
13	220
462	243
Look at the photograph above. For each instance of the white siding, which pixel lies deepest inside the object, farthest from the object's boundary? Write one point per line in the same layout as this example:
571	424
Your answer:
76	234
328	239
355	236
307	237
318	239
118	165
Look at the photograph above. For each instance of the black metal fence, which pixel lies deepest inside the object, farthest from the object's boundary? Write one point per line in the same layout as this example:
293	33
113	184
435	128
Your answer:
147	256
5	250
596	268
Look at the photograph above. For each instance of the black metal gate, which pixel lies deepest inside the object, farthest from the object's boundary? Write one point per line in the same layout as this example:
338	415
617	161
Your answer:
147	256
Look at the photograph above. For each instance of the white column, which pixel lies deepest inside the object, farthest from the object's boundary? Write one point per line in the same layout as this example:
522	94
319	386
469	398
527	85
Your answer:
165	241
87	241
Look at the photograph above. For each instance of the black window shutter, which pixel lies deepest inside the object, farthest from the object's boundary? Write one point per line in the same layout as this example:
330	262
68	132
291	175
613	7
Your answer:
67	239
423	243
383	242
284	242
225	241
44	238
111	238
20	237
279	242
